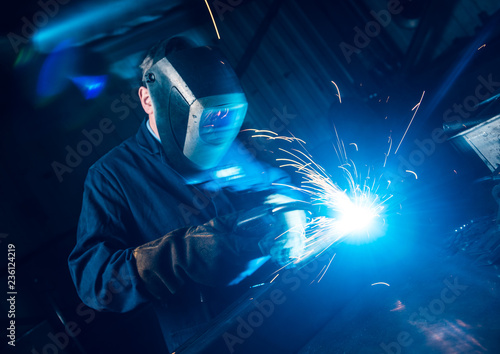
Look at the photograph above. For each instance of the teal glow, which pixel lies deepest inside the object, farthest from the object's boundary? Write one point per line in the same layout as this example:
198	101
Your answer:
86	18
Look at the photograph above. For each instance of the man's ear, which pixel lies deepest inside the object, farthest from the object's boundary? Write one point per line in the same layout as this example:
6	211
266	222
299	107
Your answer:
146	102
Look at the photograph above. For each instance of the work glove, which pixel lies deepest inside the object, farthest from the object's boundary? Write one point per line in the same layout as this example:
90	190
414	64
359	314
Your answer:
212	254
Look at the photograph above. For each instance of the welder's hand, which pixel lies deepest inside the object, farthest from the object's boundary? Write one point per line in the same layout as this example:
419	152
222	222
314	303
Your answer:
211	254
286	244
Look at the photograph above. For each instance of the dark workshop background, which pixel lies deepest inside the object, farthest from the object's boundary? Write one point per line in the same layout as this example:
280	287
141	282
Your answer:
69	68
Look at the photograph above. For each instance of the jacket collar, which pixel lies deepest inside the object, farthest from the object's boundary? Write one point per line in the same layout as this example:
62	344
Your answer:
147	141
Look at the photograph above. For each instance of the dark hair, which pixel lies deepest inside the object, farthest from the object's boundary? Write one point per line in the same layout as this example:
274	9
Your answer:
161	49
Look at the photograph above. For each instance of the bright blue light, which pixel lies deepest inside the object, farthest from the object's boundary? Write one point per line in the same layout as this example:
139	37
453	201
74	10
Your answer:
90	86
359	220
55	70
252	266
356	214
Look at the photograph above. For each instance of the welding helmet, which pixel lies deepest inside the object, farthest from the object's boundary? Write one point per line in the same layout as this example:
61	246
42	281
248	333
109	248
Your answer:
198	104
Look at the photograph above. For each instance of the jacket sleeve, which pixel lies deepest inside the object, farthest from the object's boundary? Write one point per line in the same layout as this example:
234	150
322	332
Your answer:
115	272
102	264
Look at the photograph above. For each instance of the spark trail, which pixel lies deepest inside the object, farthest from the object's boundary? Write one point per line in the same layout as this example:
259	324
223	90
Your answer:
415	109
349	211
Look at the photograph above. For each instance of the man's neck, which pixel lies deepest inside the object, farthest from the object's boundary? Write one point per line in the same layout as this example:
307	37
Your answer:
153	131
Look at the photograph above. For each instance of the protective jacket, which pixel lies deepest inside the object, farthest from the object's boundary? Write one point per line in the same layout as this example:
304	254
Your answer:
132	197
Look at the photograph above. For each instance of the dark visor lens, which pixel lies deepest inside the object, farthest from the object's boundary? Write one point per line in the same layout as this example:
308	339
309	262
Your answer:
219	125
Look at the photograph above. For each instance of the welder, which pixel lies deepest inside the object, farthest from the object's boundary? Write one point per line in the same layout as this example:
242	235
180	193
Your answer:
177	213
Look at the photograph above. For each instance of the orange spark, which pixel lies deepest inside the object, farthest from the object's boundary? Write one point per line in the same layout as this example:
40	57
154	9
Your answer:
417	106
213	20
338	91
